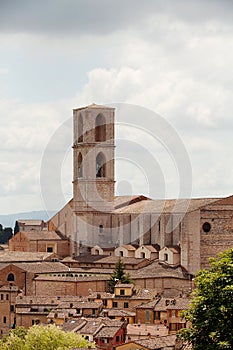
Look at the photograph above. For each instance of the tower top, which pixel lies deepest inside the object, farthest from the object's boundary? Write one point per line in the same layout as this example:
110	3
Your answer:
93	106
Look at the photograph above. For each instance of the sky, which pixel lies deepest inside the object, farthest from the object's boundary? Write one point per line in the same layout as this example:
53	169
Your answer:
171	57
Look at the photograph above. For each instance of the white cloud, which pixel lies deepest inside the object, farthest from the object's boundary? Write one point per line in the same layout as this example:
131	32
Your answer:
175	60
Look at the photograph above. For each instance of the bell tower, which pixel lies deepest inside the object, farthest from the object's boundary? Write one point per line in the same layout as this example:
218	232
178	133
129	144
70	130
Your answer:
93	168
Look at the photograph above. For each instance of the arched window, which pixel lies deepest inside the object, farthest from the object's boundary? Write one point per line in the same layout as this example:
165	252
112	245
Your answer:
80	165
10	277
100	128
80	128
100	165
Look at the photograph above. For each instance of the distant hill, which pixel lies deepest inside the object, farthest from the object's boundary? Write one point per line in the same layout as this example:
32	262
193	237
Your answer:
9	220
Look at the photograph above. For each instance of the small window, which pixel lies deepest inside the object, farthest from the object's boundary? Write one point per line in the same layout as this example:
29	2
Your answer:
117	338
7	296
121	253
115	304
10	277
126	305
49	249
143	255
2	296
206	227
93	311
12	308
122	292
101	228
4	319
165	257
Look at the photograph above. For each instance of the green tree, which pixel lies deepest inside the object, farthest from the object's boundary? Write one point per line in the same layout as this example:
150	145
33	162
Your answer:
40	337
16	229
118	275
5	234
211	308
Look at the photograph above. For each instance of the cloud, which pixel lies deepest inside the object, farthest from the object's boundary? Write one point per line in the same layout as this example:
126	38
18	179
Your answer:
172	57
101	16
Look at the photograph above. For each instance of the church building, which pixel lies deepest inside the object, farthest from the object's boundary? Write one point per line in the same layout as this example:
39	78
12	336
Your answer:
96	217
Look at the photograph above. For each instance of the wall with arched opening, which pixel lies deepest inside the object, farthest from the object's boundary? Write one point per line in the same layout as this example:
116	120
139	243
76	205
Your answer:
100	128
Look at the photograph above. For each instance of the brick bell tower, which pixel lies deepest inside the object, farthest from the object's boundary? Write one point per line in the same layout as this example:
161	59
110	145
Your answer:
93	175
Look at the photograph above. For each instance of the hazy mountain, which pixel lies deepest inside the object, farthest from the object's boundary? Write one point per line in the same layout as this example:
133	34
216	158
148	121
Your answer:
9	220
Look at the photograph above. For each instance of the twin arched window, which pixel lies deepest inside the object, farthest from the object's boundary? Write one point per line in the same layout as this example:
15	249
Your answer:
100	165
100	128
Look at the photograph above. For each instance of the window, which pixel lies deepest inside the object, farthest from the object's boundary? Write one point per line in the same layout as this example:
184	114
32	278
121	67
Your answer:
126	305
49	249
100	165
100	128
121	253
173	313
10	277
173	327
4	319
2	296
78	311
12	308
117	338
7	296
115	304
122	292
80	128
101	229
93	311
165	257
206	227
143	255
156	315
35	322
147	315
159	225
80	165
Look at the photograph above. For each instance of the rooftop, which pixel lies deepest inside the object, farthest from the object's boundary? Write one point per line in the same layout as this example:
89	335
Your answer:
11	256
157	343
41	235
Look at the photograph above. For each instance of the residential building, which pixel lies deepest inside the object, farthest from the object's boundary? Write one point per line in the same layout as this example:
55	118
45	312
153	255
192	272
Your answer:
40	241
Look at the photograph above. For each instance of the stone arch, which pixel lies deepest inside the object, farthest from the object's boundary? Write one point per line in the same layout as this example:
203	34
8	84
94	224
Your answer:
100	165
80	165
100	128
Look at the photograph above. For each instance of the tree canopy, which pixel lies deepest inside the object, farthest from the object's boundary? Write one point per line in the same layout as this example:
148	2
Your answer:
40	337
5	234
211	308
118	275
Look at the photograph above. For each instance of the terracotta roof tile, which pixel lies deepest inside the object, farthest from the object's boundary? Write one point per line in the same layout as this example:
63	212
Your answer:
157	343
41	235
24	256
143	329
107	332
